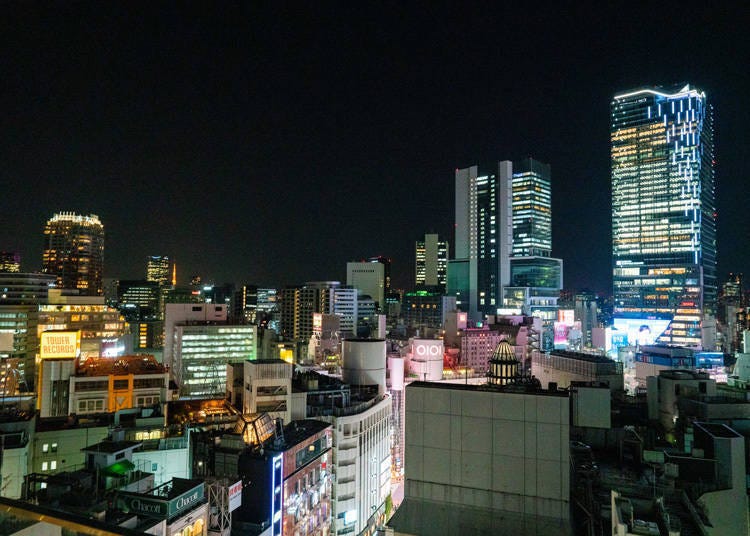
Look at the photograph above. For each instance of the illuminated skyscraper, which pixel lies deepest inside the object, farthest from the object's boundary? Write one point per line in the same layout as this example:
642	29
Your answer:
532	209
74	252
663	212
431	261
157	269
483	242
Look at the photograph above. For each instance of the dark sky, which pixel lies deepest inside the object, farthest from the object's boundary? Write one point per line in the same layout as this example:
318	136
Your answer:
272	144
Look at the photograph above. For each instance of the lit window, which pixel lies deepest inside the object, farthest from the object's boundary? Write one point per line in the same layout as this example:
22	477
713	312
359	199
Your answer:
54	447
53	465
44	466
45	447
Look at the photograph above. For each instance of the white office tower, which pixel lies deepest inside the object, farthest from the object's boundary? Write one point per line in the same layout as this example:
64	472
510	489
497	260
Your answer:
345	306
368	278
199	344
188	313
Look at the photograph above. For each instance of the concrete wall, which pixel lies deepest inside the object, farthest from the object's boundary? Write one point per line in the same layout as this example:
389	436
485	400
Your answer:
14	465
487	449
165	464
67	455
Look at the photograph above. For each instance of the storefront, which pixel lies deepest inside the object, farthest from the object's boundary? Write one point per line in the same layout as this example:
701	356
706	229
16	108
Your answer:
180	502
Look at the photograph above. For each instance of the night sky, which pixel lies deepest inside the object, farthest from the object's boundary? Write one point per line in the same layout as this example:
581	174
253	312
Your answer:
270	145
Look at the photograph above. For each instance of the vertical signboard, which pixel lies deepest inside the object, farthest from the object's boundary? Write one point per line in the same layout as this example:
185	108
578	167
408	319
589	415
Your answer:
234	495
277	494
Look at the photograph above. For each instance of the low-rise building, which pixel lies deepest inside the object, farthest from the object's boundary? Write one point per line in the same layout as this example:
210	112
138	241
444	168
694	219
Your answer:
562	367
665	390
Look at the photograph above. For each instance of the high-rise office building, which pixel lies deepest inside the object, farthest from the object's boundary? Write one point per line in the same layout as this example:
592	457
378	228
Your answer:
483	241
386	262
535	277
431	261
74	252
663	208
157	269
369	278
138	300
532	209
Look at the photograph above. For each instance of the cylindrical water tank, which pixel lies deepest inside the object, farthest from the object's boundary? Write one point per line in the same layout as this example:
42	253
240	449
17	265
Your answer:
396	366
363	362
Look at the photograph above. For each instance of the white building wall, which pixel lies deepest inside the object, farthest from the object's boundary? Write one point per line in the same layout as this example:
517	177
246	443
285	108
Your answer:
175	313
164	464
12	471
362	458
268	389
368	278
504	451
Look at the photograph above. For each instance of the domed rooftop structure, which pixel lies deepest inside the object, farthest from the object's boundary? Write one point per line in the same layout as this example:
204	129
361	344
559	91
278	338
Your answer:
503	364
504	351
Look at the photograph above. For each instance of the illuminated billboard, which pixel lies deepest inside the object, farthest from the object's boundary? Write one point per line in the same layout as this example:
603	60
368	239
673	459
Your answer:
637	331
60	345
566	316
561	335
709	360
428	349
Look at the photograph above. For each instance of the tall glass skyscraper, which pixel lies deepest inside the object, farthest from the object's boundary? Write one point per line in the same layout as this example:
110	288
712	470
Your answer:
663	211
532	209
483	239
74	252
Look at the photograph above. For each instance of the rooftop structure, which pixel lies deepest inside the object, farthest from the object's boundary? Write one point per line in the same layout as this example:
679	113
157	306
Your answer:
563	367
511	455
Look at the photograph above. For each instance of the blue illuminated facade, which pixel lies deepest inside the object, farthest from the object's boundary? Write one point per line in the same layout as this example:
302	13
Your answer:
663	206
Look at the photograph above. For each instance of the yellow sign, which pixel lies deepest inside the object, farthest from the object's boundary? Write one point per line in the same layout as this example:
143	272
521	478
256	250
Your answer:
287	354
60	344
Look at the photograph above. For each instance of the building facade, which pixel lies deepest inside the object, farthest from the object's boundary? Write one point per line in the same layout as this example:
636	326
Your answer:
426	309
663	204
10	261
431	256
201	353
74	252
532	209
369	278
484	238
157	269
486	449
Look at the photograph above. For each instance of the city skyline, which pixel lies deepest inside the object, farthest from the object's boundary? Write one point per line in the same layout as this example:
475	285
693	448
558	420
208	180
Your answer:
255	146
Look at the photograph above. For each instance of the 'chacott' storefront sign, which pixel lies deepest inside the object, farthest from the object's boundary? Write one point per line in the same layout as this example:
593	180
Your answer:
163	508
